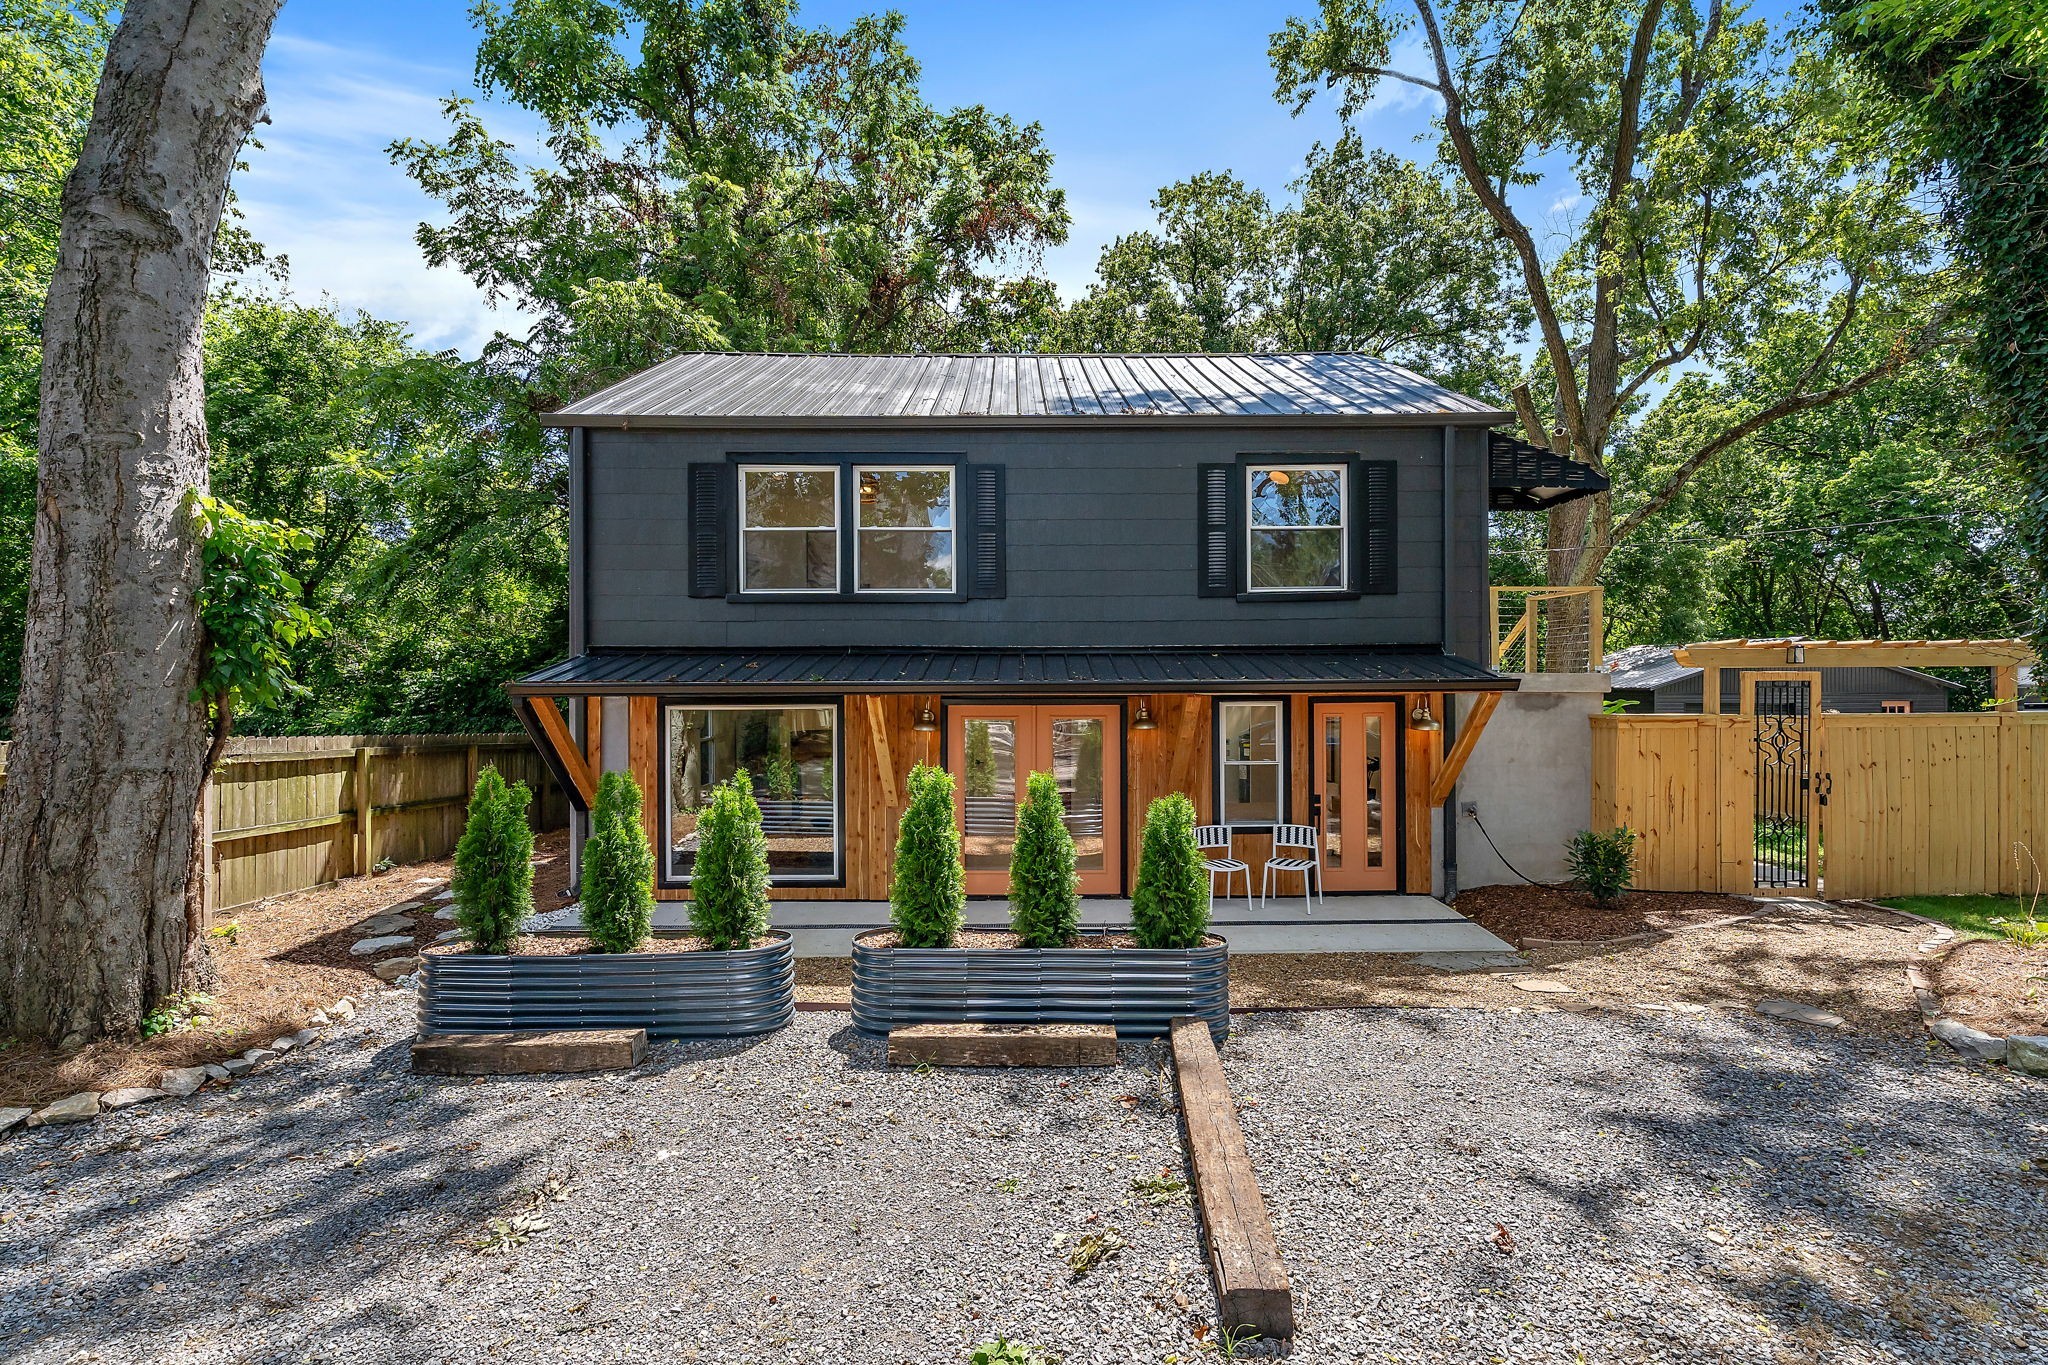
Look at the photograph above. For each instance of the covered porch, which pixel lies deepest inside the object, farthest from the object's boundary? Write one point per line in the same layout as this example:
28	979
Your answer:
1360	746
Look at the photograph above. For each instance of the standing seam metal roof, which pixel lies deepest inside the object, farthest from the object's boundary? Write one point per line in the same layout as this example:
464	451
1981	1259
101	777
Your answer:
866	669
706	387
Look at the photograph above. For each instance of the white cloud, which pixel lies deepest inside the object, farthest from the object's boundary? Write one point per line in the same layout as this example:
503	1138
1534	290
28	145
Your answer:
321	189
1410	55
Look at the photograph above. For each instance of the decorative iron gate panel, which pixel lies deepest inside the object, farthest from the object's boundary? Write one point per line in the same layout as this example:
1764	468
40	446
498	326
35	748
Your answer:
1787	833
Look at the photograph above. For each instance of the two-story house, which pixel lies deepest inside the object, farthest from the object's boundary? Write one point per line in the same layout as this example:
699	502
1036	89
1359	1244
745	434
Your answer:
1255	579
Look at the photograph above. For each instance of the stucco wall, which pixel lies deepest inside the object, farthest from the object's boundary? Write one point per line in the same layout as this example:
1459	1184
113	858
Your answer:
1531	778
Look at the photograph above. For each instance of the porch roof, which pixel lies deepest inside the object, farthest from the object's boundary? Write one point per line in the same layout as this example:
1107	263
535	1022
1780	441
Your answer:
1332	669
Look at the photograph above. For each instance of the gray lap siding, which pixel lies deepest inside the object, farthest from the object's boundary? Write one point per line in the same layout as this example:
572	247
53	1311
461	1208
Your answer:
1100	529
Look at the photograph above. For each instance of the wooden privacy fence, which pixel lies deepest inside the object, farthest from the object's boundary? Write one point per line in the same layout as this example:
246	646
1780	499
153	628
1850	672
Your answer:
285	812
1905	804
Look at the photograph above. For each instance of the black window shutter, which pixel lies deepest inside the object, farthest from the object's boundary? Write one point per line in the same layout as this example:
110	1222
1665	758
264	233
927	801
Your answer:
708	521
1377	552
1216	530
985	513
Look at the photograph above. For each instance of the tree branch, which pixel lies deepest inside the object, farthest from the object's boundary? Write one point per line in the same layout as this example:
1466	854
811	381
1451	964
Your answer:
1930	337
1517	233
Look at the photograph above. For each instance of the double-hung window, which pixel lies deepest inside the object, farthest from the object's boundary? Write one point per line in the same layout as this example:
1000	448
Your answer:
905	540
1295	529
789	528
1251	769
845	528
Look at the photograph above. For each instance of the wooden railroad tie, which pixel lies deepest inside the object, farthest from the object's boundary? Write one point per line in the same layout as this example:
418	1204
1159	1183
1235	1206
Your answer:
528	1054
1003	1045
1252	1290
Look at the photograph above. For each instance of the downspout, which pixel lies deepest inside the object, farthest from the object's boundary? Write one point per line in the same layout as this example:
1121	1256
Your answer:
1450	717
579	631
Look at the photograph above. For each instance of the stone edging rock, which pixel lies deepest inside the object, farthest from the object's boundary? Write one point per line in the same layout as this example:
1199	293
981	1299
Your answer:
179	1082
2022	1053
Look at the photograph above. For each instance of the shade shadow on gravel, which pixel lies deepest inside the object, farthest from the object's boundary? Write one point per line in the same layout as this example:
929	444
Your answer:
1468	1185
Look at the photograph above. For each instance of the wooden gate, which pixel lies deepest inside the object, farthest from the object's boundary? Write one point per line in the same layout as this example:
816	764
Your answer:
1916	804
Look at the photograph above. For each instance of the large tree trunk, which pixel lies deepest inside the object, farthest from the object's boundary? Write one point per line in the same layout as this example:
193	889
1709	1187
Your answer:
97	818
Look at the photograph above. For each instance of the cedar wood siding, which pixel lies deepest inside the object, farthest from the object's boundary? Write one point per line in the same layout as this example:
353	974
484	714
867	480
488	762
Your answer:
1100	529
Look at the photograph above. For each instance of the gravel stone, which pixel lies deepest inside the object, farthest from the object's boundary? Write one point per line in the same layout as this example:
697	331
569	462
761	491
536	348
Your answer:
776	1200
343	1009
1673	1190
382	943
392	968
1677	1189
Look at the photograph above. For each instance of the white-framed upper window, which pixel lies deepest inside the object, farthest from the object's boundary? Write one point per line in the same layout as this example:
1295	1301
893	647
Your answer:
789	528
1296	538
1251	769
904	539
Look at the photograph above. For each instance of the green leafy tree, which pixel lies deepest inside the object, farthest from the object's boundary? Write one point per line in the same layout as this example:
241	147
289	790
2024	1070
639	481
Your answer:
1170	904
763	185
618	868
1735	186
729	898
1973	76
1045	891
251	610
928	889
1374	255
493	881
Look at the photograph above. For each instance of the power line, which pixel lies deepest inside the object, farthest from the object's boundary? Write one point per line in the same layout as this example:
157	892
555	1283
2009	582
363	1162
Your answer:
1789	531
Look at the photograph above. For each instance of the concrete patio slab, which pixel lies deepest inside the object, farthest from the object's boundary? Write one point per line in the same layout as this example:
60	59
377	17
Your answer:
1340	924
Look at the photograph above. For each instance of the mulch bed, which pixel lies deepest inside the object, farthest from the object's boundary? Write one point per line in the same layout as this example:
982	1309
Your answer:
2001	988
566	945
1003	938
1564	914
289	957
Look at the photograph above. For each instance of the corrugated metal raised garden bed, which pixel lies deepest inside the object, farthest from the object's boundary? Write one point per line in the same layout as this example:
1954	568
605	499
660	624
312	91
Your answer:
1138	990
735	994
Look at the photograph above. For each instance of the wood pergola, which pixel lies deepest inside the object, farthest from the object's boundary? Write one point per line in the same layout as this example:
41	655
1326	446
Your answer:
2003	657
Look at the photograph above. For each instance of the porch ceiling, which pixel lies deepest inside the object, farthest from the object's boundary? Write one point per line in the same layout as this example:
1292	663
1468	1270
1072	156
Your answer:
1113	671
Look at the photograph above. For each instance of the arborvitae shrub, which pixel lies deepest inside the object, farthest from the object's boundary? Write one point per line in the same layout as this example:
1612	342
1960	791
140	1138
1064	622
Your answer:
1170	905
1603	862
1045	896
493	881
618	868
928	895
729	885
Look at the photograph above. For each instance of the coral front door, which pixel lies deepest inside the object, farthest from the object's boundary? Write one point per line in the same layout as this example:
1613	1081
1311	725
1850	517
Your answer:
992	749
1353	798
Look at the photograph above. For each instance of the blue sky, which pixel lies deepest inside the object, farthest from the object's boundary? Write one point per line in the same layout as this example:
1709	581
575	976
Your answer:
1133	95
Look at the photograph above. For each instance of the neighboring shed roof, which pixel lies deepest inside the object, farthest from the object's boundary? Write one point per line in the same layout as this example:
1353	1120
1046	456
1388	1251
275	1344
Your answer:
1122	670
739	389
1644	668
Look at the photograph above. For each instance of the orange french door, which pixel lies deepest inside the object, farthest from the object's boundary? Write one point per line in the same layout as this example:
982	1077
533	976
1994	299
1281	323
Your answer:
990	752
1353	796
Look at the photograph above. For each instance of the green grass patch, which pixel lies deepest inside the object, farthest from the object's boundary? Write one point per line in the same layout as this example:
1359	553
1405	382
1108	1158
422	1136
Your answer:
1970	916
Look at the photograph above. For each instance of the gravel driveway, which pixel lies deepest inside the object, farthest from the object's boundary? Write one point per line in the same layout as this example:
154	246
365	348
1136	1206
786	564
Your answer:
1717	1189
792	1201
